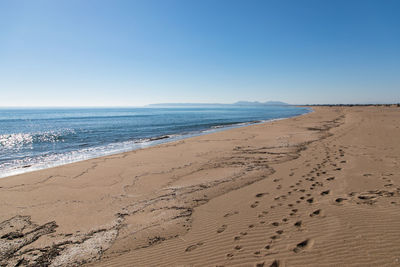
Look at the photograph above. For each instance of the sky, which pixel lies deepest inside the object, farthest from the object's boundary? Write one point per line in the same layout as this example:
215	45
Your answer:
133	53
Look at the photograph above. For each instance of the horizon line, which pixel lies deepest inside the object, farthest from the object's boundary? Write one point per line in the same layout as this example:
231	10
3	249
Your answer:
150	105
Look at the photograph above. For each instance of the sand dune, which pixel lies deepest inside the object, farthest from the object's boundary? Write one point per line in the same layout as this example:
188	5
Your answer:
321	189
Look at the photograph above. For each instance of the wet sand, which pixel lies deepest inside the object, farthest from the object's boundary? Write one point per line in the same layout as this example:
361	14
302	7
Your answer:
321	189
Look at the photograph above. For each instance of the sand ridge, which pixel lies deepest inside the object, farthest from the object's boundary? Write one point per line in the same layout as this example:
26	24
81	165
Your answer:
317	190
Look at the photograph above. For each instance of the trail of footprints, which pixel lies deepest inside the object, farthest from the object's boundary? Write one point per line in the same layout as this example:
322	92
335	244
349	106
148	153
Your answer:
308	188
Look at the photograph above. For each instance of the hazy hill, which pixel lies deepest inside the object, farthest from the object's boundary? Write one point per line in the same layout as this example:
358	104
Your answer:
239	103
256	103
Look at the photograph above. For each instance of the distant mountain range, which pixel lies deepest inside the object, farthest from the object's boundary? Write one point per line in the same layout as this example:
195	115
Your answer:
256	103
239	103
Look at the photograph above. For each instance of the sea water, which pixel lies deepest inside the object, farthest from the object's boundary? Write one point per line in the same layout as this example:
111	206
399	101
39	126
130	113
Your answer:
33	139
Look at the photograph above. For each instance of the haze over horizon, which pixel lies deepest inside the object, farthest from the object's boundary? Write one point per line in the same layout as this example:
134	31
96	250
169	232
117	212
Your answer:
135	53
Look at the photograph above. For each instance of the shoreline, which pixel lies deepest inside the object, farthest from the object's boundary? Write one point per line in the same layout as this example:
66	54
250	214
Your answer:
149	142
282	192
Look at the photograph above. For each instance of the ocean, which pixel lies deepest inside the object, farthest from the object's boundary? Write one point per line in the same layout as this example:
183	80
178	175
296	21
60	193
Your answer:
33	139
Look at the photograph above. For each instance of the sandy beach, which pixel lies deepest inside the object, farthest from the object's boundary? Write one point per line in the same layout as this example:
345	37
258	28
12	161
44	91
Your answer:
322	189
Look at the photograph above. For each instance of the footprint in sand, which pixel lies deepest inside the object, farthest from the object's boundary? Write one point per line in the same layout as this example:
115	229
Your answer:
340	200
262	194
306	244
324	193
231	214
238	247
275	263
316	213
193	247
222	228
294	211
298	223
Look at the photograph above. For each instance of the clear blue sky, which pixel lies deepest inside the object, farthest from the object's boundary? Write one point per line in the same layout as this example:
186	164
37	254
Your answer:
130	53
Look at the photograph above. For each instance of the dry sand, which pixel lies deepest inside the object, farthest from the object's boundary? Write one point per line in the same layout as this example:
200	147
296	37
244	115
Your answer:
321	189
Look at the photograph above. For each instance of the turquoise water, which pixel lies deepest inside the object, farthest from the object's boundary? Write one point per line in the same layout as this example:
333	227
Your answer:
32	139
